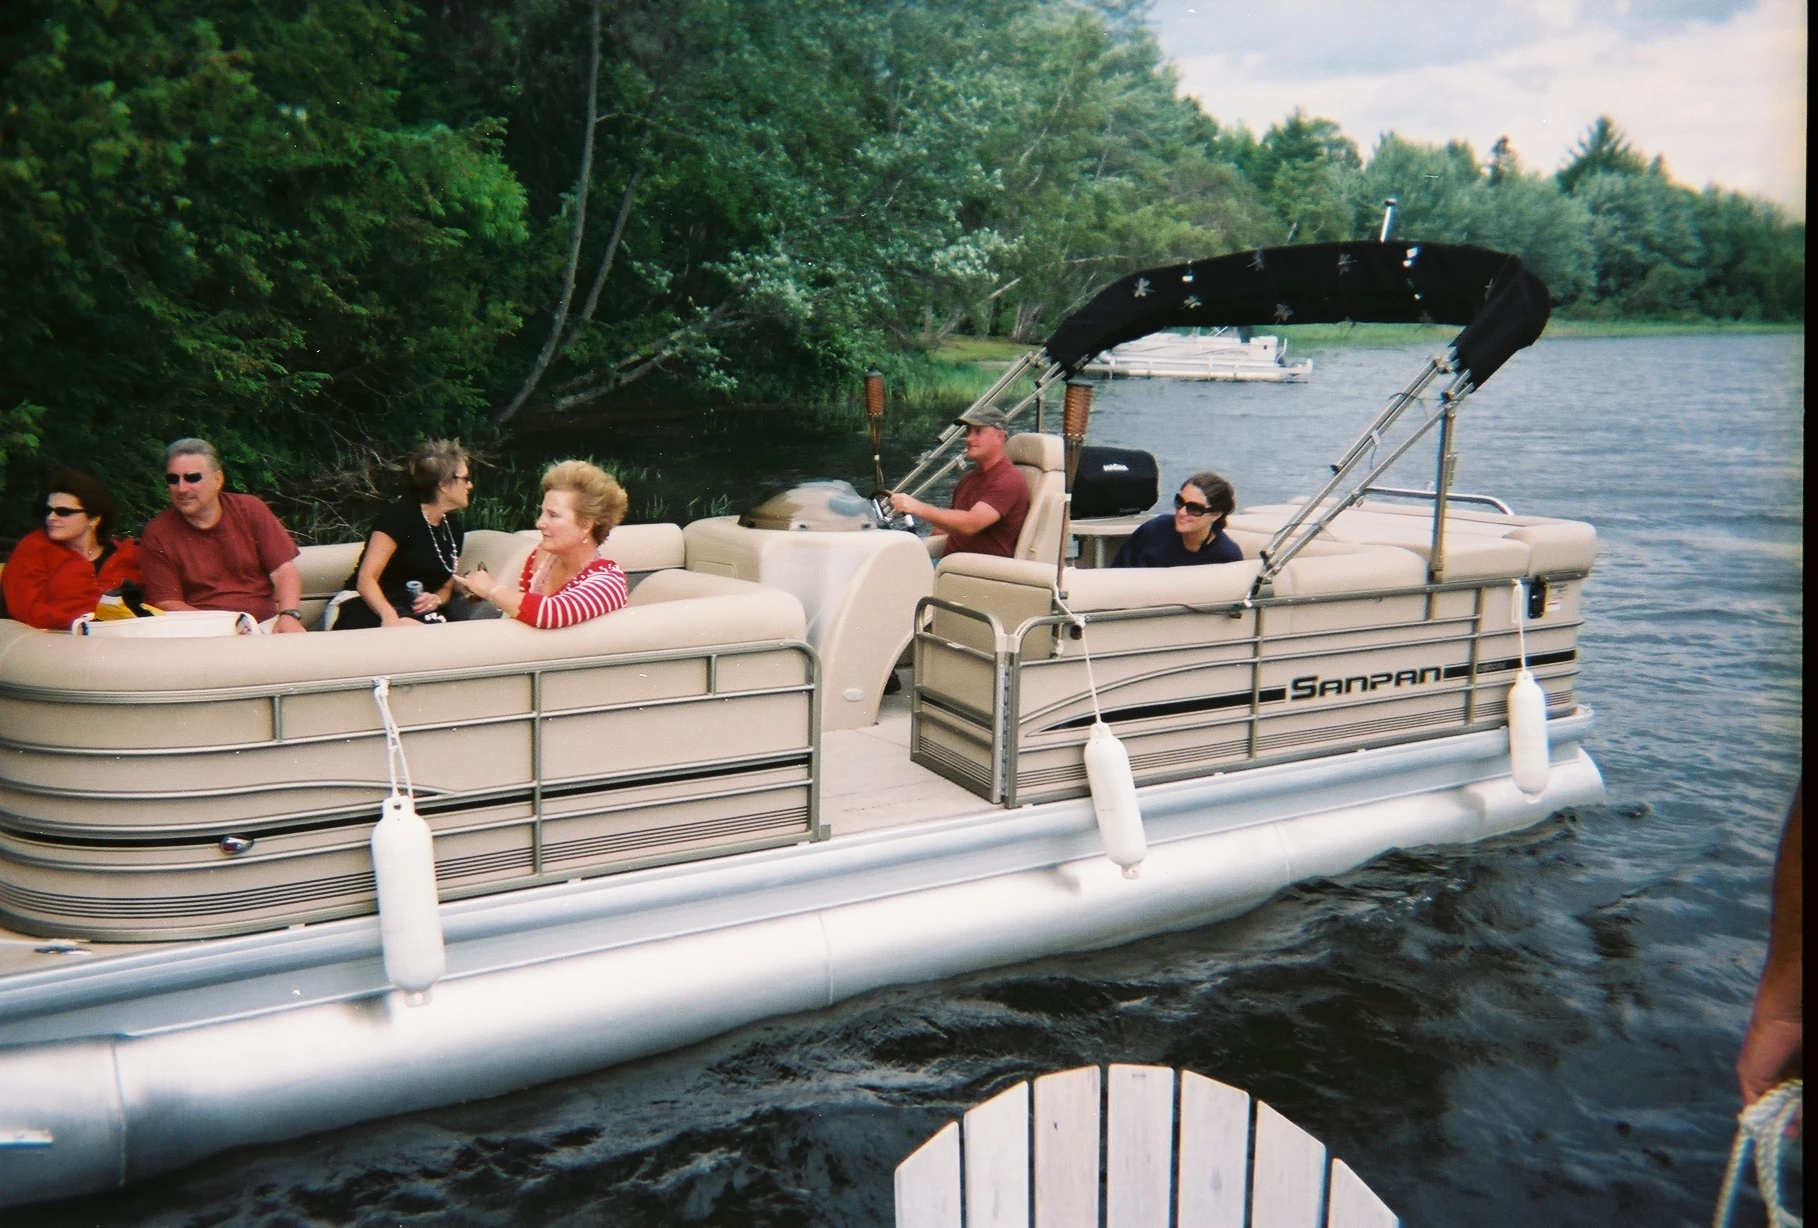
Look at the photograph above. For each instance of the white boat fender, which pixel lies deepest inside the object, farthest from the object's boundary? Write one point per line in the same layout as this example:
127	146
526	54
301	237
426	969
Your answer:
1108	775
404	874
1530	764
1120	819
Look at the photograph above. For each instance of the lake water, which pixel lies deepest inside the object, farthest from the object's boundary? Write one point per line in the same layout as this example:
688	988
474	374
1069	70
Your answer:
1538	1030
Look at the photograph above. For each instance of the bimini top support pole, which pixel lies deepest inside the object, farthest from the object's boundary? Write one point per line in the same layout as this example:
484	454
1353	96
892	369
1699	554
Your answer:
930	468
1307	523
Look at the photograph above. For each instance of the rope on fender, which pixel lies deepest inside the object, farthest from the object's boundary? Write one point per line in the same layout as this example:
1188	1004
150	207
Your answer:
1080	623
1763	1126
395	763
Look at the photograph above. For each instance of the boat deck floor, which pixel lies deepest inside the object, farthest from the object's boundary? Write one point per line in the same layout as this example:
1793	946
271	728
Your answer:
867	783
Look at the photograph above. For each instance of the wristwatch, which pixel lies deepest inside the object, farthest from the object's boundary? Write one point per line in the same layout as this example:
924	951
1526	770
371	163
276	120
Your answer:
296	614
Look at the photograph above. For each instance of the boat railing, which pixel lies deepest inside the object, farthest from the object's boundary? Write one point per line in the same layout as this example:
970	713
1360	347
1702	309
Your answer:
1195	689
954	714
1432	496
215	810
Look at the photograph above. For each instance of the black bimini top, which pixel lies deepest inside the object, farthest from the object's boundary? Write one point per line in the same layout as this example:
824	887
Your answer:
1501	304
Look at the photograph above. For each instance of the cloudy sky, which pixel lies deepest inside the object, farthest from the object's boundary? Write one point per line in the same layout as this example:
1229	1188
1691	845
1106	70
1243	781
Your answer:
1717	86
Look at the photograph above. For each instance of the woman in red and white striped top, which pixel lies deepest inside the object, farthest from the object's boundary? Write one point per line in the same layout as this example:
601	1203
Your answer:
564	581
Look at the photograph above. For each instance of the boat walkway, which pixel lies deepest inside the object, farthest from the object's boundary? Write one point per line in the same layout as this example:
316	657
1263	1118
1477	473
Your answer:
868	782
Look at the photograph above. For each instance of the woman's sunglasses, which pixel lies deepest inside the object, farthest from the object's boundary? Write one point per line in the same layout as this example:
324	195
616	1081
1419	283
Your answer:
64	511
1190	507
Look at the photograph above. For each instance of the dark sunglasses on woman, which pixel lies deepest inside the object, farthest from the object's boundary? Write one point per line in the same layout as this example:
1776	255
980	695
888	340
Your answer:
1190	507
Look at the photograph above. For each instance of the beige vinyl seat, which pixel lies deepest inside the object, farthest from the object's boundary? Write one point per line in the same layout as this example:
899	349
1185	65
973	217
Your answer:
1349	648
1041	459
182	788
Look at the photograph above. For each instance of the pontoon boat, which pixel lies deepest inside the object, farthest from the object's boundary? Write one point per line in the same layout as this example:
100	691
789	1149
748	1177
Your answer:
703	810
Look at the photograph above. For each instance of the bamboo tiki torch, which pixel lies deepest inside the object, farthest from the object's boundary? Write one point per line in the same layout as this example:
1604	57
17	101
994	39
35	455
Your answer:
874	410
1076	412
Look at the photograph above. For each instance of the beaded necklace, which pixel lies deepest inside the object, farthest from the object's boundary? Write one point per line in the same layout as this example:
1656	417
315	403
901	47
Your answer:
451	559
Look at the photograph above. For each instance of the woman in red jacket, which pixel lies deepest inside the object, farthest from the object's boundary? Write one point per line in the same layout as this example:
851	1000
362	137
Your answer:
57	574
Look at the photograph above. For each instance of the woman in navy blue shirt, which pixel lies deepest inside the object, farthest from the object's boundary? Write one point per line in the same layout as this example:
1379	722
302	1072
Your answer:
1194	534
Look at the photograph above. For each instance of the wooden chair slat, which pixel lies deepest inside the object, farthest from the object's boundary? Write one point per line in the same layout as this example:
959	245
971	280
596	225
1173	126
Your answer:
1139	1146
1066	1149
1040	1159
996	1138
1288	1182
1214	1153
1352	1204
928	1183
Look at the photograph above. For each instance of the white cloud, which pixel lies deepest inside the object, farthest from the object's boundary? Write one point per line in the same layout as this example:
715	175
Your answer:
1718	90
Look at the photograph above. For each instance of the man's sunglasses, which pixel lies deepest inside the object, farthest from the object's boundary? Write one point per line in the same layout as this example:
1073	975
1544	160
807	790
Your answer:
64	511
1190	507
192	478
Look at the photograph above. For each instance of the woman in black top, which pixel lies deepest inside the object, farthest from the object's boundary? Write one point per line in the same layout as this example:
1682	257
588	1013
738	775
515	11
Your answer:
1193	535
418	539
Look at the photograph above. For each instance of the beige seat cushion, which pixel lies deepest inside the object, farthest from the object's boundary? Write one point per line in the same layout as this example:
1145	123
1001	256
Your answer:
1480	545
325	569
675	584
69	663
1042	461
639	548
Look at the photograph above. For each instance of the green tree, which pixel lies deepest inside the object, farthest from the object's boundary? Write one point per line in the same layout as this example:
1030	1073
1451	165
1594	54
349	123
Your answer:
1306	170
1645	238
1443	194
1754	258
1603	150
218	226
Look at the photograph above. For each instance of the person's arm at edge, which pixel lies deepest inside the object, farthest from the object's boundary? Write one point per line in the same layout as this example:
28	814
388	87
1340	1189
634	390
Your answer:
287	590
1775	1042
974	520
379	549
509	598
596	592
27	580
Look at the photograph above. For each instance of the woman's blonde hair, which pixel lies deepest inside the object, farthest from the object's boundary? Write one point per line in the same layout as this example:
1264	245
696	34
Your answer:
597	494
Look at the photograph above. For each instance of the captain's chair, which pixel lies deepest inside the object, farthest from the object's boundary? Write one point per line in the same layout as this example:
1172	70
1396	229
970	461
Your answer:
1041	459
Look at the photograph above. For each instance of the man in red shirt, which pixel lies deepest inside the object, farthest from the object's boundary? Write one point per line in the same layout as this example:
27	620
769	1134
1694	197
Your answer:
990	503
215	550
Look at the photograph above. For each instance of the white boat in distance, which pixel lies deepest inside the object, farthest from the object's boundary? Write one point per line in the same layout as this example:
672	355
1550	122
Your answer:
1221	355
702	810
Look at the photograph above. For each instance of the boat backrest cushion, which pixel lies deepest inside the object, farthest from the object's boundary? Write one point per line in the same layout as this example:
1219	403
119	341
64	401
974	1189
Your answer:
1135	587
1479	544
1011	590
1042	453
1357	571
326	568
1041	459
676	584
752	614
1558	545
503	554
1252	536
641	548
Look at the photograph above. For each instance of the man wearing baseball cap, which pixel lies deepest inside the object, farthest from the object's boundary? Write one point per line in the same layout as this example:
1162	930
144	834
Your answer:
990	503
